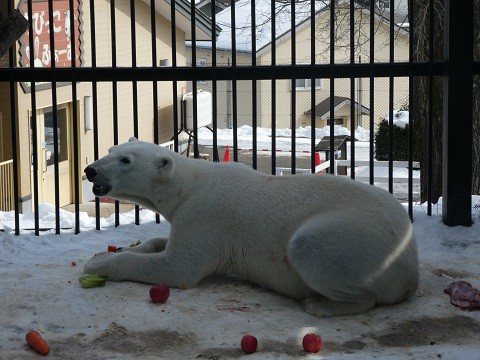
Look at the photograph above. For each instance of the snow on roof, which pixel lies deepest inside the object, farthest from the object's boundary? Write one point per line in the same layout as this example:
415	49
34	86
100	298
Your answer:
263	11
243	23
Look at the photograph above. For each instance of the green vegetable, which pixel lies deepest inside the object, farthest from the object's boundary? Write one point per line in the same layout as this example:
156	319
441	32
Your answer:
133	245
88	281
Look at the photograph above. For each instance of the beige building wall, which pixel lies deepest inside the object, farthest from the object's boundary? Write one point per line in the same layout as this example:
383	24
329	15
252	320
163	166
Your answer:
342	86
105	94
224	88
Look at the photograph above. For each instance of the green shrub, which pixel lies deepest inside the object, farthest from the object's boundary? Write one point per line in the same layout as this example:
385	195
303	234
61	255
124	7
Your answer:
400	142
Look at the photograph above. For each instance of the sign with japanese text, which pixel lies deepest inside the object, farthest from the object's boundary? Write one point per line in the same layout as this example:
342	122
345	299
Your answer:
63	51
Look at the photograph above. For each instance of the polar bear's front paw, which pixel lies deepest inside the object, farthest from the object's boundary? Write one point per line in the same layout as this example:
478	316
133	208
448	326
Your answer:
102	264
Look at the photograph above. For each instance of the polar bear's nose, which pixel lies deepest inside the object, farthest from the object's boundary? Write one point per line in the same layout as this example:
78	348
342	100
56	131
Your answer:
90	172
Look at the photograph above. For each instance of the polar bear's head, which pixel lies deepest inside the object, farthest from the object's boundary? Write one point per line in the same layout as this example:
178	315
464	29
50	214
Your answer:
130	171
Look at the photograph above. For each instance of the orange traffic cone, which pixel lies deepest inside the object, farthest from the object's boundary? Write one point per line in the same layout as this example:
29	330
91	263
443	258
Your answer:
226	157
318	161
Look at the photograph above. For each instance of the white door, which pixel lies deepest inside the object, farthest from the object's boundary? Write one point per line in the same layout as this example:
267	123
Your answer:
45	150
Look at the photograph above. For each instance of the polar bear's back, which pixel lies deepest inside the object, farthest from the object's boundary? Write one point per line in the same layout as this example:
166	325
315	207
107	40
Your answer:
304	193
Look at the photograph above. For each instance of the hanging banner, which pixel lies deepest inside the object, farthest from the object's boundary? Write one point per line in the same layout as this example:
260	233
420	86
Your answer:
64	54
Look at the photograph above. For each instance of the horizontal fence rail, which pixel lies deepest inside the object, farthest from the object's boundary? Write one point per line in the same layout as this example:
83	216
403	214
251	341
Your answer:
175	66
264	72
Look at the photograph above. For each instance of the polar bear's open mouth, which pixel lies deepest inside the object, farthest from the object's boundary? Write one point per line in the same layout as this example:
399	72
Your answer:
101	190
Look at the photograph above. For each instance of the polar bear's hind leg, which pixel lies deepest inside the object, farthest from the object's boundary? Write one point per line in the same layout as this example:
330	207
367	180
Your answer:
336	257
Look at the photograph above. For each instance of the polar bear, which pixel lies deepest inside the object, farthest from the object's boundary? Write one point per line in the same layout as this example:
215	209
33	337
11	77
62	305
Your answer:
339	245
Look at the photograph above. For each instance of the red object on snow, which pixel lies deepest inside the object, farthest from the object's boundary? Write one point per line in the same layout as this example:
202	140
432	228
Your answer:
74	263
312	343
463	295
159	293
249	344
226	156
318	161
112	248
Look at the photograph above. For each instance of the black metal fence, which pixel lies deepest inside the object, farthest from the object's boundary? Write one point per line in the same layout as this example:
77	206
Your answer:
457	68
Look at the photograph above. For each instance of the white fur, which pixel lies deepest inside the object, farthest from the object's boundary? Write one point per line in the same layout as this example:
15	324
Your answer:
340	245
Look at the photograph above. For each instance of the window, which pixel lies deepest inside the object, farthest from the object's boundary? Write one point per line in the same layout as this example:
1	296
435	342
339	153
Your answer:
383	4
306	84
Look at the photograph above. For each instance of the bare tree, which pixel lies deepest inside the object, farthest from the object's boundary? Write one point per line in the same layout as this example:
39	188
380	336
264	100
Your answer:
341	22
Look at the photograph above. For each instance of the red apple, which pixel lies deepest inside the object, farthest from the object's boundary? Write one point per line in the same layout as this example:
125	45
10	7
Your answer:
249	344
159	293
112	248
312	343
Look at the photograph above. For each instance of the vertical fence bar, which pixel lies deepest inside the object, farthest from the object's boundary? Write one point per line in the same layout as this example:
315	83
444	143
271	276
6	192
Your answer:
313	156
458	113
196	152
114	93
234	84
410	109
274	89
214	84
133	37
390	101
76	170
294	87
254	87
372	92
55	120
352	92
33	121
13	123
175	83
94	103
332	88
430	109
153	30
390	134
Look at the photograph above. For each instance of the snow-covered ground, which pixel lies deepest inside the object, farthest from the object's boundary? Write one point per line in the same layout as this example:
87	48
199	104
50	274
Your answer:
40	290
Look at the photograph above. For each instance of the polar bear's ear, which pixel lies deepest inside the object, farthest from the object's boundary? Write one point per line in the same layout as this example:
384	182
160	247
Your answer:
166	166
133	139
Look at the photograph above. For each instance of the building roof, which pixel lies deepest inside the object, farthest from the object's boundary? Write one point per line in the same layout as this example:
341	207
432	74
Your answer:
183	18
243	23
322	109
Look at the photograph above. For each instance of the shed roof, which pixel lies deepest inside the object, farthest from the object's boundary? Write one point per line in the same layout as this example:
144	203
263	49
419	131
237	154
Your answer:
322	109
338	140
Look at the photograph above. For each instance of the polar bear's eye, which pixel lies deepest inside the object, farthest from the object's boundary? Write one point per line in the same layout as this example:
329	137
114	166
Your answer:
125	160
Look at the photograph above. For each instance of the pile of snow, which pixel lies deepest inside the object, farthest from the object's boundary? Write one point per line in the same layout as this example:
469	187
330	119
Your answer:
283	137
400	118
67	219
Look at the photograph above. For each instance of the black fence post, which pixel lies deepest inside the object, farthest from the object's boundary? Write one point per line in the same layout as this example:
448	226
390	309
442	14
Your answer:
458	113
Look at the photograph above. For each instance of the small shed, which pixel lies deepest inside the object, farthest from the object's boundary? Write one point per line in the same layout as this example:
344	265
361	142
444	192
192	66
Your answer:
339	149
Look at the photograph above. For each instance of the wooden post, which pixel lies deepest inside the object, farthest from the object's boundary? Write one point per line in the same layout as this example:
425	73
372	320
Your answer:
11	29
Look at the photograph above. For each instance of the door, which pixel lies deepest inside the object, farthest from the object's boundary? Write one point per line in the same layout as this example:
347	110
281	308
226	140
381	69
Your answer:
46	161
